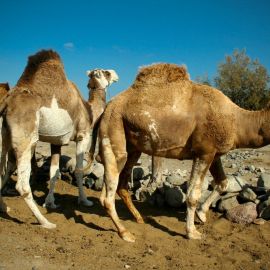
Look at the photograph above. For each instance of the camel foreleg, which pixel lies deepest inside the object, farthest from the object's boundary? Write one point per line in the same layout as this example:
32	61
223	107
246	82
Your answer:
81	148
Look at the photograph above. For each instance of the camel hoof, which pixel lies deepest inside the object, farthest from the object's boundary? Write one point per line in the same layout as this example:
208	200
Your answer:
201	215
85	202
50	205
140	220
48	225
195	235
5	209
127	236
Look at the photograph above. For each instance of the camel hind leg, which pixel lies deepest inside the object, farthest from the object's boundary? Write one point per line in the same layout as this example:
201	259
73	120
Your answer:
23	186
220	186
199	169
54	175
3	170
122	188
113	164
81	147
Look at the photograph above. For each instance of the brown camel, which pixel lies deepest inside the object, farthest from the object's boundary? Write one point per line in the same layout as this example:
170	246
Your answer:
165	114
45	106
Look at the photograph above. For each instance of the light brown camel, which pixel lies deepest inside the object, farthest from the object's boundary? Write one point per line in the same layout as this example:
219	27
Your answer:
165	114
45	106
99	80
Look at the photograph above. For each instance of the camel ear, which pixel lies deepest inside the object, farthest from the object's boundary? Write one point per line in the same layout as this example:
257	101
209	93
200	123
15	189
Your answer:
88	72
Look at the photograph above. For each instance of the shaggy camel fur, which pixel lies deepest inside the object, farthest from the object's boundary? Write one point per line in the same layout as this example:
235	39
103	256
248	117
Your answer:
165	114
45	106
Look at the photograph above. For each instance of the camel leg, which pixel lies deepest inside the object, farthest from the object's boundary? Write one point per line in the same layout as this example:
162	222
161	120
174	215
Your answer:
3	175
23	186
122	189
156	169
92	149
220	186
199	169
113	164
81	148
54	175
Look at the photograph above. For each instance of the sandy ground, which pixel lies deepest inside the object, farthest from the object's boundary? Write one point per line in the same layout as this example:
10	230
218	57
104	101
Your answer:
85	238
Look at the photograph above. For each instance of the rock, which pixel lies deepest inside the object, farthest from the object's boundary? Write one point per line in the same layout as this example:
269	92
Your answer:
265	214
250	168
142	194
233	166
159	200
138	173
235	183
264	209
227	202
264	181
89	182
98	170
260	170
174	197
244	213
98	184
247	194
175	180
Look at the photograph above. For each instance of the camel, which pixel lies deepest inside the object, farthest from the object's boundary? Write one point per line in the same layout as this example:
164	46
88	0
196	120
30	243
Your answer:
164	113
97	103
44	105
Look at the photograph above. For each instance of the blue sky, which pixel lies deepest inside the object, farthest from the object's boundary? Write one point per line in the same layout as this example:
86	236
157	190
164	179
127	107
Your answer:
124	35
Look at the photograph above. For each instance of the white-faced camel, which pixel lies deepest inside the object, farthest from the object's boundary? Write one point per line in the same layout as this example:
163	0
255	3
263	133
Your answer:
165	114
46	106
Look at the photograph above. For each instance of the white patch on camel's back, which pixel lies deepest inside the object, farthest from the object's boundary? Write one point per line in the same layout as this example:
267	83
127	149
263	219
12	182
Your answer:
55	123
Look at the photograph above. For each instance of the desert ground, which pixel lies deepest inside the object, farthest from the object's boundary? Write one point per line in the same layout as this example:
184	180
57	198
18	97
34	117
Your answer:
85	238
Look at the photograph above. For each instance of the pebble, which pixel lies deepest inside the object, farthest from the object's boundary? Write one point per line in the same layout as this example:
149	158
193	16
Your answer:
264	181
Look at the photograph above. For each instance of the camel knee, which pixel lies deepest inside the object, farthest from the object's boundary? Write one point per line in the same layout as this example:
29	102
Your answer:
193	198
107	204
221	186
121	159
23	189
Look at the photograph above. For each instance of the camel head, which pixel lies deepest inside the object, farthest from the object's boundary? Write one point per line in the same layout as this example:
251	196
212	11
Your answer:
101	78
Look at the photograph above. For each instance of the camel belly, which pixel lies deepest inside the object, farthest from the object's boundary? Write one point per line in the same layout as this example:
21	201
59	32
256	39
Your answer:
172	147
55	125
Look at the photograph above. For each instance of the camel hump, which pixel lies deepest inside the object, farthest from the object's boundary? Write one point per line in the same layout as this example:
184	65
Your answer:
43	56
161	73
4	87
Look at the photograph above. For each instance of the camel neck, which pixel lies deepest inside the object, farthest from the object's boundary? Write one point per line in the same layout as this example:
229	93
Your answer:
97	101
97	96
250	128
